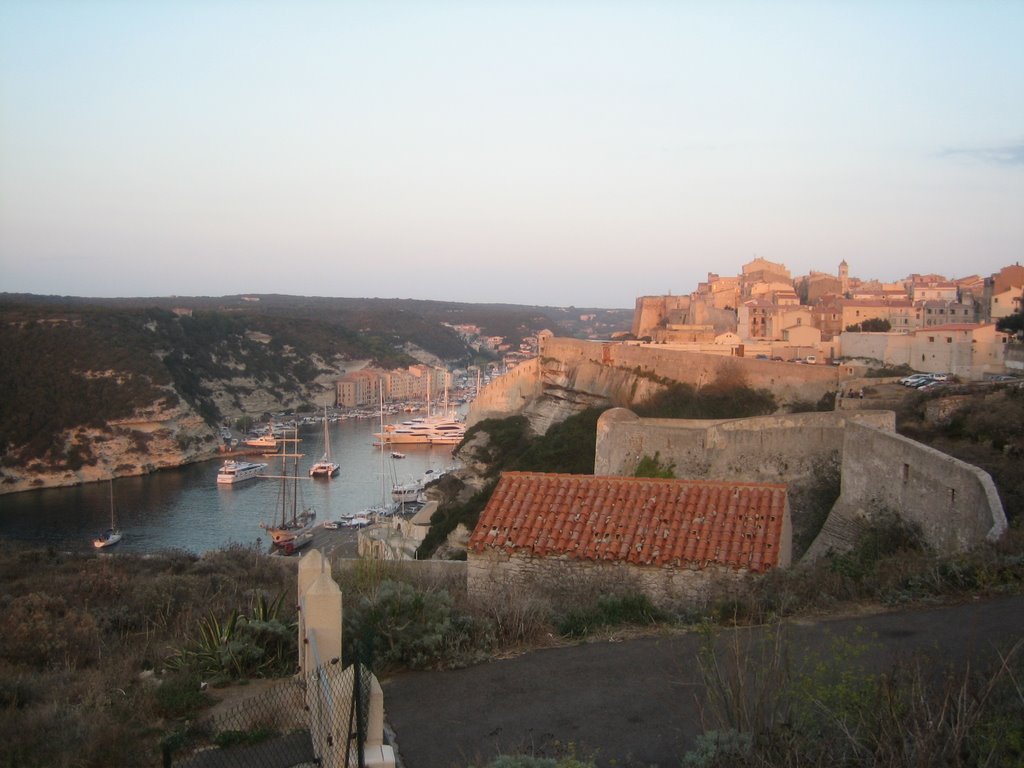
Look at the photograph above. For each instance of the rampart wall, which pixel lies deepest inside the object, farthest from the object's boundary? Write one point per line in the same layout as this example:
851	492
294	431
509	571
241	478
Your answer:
955	504
786	380
765	449
508	394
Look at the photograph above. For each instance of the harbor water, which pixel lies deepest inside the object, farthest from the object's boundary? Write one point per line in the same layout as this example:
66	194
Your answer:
186	509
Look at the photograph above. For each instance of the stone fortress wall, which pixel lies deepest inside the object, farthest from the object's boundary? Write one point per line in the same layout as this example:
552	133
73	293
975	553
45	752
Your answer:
786	380
572	374
955	504
764	449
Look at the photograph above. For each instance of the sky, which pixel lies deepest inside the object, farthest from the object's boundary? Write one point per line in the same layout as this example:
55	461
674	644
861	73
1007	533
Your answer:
561	153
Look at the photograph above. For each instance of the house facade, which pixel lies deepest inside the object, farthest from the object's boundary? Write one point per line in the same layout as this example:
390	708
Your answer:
675	540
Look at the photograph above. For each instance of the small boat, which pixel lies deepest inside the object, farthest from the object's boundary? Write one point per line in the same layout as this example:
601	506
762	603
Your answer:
325	467
292	546
239	471
112	535
265	442
397	455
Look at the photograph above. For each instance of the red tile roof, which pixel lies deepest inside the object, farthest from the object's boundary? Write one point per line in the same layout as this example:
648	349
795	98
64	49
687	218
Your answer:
639	520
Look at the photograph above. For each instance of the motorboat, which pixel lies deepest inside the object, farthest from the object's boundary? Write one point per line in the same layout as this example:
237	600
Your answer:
265	442
239	471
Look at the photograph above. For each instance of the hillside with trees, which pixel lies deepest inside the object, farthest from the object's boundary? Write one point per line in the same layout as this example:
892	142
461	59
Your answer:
72	363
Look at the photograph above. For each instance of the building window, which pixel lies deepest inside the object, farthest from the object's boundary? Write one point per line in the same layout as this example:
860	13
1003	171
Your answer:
931	339
905	474
949	339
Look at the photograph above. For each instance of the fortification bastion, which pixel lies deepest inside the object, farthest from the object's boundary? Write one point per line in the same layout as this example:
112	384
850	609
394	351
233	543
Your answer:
842	468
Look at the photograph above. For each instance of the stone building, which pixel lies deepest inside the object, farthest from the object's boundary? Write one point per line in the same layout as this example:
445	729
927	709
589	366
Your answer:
677	540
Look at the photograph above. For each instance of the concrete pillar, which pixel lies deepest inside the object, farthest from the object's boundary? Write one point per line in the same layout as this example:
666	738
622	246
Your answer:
375	717
321	616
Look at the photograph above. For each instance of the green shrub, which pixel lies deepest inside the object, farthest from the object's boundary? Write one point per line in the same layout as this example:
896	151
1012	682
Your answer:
888	535
610	611
649	466
399	625
180	695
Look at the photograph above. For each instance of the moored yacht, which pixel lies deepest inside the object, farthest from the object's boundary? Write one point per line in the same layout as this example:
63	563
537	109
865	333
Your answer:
325	467
239	471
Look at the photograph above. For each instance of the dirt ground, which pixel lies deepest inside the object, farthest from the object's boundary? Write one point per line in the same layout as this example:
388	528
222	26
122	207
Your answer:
637	702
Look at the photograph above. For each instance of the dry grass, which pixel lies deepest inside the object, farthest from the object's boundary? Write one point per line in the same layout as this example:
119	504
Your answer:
83	640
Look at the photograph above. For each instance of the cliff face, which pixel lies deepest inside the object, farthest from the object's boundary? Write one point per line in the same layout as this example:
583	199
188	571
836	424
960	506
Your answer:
548	390
160	436
153	438
571	375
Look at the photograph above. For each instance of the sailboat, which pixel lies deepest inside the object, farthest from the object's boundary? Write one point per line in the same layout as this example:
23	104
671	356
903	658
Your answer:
325	467
112	535
293	525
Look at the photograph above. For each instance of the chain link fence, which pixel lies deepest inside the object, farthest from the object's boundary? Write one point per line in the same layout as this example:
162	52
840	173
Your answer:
316	720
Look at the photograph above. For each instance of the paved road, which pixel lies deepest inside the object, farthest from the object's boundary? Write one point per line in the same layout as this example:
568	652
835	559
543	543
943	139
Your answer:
634	703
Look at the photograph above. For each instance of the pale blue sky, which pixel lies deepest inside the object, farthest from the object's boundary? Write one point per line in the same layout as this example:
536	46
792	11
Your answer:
565	153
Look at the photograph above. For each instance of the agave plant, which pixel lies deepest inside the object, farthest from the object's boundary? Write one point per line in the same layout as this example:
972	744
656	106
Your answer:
257	645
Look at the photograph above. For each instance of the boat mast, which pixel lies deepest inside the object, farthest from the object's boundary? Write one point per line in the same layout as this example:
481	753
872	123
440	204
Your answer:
327	439
383	484
295	481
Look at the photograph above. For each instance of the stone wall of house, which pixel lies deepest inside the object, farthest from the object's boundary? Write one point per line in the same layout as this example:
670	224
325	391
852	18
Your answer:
955	504
493	574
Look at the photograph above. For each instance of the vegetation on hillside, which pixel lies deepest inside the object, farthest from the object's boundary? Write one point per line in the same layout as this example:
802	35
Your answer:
88	643
66	369
101	658
721	399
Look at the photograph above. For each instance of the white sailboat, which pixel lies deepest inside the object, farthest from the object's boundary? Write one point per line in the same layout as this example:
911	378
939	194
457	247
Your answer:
112	535
325	467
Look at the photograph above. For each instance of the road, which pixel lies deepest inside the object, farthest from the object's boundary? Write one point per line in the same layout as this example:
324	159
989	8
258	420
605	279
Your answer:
635	702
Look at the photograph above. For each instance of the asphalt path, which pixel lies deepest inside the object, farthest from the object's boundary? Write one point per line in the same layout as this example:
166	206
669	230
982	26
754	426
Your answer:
636	702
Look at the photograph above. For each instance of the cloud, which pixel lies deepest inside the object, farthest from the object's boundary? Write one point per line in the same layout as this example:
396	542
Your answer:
1007	154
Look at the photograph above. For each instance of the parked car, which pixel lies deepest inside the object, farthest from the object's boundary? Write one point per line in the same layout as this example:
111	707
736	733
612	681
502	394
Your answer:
914	379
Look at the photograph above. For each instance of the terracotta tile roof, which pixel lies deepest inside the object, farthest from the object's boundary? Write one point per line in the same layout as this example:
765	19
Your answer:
639	520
